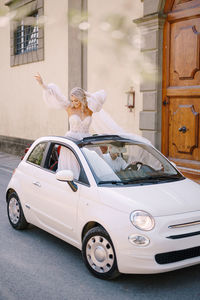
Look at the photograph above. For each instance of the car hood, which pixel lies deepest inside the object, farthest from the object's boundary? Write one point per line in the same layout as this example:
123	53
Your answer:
158	199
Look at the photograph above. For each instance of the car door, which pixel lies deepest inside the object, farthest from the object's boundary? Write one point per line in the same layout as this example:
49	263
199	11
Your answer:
53	202
27	178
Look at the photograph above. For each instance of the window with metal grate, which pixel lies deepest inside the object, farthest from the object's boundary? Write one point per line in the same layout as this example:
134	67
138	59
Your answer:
26	36
27	32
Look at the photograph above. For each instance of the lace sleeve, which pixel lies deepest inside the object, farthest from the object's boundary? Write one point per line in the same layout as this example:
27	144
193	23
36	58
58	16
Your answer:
54	98
96	100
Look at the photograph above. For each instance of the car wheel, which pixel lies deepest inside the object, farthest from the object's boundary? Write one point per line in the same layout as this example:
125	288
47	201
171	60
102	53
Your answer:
15	212
99	254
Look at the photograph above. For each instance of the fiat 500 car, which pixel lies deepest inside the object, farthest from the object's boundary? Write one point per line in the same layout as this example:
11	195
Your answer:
120	201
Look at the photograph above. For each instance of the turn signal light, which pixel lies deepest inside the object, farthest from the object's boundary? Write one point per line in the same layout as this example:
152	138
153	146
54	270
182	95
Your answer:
139	240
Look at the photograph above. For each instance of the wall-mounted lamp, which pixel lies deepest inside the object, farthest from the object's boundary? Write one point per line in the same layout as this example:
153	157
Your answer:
130	98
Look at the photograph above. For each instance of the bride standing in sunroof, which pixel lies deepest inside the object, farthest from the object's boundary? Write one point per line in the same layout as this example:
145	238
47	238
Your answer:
80	108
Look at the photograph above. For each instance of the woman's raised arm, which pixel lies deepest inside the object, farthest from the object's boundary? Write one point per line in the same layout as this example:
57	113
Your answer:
52	95
39	80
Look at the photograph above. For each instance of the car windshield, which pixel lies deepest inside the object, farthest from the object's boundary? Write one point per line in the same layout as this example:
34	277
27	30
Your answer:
124	163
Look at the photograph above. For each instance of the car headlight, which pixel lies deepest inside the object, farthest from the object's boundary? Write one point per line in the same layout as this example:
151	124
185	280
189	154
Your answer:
142	220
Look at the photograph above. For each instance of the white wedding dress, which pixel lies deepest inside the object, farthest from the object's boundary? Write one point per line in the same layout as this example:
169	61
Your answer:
78	128
100	122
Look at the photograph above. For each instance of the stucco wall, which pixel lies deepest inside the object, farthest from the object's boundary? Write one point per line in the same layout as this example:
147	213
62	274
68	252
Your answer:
23	113
114	62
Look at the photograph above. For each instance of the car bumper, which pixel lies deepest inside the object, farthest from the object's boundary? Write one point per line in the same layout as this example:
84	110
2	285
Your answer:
169	249
129	263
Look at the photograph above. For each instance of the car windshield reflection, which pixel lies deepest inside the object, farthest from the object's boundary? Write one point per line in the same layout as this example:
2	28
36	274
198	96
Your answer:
120	163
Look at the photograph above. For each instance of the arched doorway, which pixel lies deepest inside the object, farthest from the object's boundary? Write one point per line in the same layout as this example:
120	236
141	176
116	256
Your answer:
181	86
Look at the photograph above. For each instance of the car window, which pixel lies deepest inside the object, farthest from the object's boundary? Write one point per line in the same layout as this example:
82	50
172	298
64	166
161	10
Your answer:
37	154
126	163
62	158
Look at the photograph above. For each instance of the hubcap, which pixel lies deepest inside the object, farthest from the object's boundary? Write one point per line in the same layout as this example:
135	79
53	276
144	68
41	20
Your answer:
100	254
14	211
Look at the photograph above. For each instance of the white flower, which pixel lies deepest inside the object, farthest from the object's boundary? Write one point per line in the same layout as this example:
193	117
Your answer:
117	34
136	41
84	25
105	26
4	21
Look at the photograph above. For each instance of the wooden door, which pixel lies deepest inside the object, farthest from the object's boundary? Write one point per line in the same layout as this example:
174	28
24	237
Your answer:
181	86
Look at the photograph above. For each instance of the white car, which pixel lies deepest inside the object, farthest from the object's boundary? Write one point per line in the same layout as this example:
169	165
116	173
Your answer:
124	205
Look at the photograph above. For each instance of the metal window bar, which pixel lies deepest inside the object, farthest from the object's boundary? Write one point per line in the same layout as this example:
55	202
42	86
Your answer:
26	37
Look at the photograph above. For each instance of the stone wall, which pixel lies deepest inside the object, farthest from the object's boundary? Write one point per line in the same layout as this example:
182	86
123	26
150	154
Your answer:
14	145
151	27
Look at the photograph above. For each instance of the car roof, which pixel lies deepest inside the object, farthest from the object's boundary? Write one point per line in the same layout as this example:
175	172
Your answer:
101	138
92	140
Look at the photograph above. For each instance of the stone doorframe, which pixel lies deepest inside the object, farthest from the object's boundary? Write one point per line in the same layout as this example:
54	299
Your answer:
151	28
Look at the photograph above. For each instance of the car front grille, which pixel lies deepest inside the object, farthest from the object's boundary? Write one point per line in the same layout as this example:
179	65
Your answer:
184	235
184	224
174	256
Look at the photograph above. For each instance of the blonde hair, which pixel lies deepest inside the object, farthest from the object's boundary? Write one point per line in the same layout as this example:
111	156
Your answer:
80	94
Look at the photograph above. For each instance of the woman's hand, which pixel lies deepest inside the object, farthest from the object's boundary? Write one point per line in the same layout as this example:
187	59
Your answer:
135	165
39	79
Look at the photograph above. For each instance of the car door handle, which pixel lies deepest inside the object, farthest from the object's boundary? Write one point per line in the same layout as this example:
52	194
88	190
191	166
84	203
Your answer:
37	183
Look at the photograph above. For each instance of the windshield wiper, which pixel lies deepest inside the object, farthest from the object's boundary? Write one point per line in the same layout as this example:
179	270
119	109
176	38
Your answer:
110	182
153	178
168	176
139	179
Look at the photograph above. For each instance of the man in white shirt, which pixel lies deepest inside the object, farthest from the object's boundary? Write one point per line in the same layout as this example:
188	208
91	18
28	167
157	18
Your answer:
114	159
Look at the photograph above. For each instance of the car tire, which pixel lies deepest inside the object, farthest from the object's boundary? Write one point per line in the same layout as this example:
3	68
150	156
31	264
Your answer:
99	254
15	213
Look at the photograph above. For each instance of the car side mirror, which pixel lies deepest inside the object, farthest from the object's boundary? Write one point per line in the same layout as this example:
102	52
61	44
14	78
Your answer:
67	175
